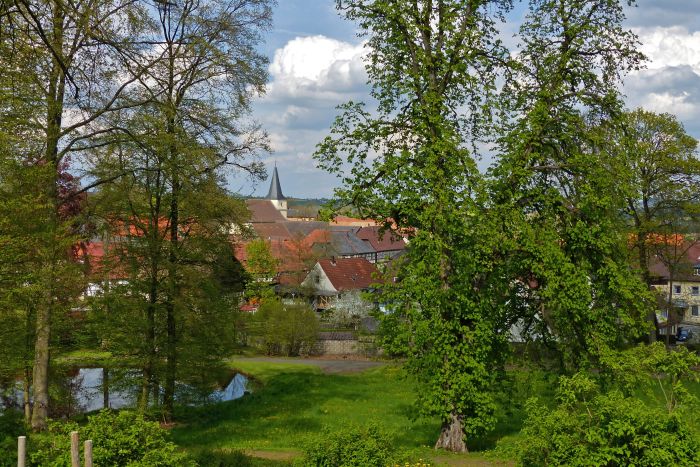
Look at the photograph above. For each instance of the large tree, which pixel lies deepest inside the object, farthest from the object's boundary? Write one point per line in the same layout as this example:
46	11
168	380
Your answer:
432	70
206	70
555	180
65	57
661	179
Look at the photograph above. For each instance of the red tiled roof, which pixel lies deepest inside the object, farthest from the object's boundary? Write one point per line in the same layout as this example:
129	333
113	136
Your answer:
350	273
381	241
345	220
271	231
262	210
318	236
688	255
285	252
94	254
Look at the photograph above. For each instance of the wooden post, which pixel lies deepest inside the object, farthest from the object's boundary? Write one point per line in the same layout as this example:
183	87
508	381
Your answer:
74	449
21	451
88	453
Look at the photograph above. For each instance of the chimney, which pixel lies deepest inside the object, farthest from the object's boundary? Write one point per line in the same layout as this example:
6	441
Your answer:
333	260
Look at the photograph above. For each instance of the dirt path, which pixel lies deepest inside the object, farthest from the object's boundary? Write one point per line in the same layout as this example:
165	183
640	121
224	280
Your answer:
329	366
437	461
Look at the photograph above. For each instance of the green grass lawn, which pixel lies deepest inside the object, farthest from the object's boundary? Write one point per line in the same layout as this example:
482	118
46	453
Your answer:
291	404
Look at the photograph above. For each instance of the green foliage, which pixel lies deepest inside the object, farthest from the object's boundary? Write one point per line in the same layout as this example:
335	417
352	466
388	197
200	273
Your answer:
285	329
593	426
659	173
424	70
262	267
609	429
555	187
11	426
124	438
351	447
221	458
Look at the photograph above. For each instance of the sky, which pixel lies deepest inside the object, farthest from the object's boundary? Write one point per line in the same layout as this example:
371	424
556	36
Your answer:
316	64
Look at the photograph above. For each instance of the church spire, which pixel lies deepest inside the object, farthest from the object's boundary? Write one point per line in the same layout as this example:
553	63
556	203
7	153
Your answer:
275	188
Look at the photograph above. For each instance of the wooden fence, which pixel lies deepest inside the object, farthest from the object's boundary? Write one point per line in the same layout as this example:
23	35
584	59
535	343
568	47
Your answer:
74	451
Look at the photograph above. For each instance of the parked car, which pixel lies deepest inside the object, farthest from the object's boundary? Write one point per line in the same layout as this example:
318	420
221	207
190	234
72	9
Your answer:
684	335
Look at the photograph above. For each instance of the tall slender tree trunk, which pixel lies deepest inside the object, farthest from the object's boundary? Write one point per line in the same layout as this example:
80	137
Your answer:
105	388
669	309
54	114
26	388
646	277
174	286
149	363
27	376
40	379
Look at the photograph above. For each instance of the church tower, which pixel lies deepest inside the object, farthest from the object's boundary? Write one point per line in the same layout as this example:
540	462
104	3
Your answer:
275	196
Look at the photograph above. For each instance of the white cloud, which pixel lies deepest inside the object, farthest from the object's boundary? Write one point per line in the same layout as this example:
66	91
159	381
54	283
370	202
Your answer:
671	82
309	77
672	89
318	67
670	46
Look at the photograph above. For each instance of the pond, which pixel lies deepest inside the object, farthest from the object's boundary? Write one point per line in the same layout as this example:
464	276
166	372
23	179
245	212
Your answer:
80	390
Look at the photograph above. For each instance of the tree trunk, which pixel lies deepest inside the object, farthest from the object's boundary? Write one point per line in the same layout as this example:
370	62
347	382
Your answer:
54	114
148	368
173	293
105	388
40	378
26	387
669	309
646	277
452	435
171	366
27	377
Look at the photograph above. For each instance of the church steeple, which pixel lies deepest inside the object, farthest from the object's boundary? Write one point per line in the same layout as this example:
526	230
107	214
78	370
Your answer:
275	196
275	191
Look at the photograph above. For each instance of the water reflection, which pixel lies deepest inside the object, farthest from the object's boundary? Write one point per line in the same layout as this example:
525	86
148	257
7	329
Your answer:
79	390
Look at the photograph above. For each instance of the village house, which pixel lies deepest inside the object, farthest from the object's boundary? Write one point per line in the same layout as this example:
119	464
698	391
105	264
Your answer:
683	287
297	243
332	279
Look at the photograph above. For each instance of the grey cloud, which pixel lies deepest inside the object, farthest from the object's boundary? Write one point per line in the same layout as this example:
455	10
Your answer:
680	81
671	89
665	13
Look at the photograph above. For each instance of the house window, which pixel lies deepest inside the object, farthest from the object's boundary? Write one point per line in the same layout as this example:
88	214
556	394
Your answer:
676	289
695	290
695	310
696	271
664	314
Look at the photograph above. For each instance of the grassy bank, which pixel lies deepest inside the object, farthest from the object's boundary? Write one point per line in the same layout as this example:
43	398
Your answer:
292	404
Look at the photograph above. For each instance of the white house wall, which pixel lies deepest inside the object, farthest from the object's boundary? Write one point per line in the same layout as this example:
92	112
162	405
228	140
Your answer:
318	280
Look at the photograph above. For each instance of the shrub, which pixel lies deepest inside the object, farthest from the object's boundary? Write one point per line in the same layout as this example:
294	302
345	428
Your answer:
349	310
362	447
286	329
124	438
223	458
11	426
588	427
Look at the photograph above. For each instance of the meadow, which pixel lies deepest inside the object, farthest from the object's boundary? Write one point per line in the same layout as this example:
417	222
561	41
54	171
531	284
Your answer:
291	405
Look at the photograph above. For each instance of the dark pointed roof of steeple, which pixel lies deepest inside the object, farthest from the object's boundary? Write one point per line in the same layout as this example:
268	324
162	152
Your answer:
275	188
